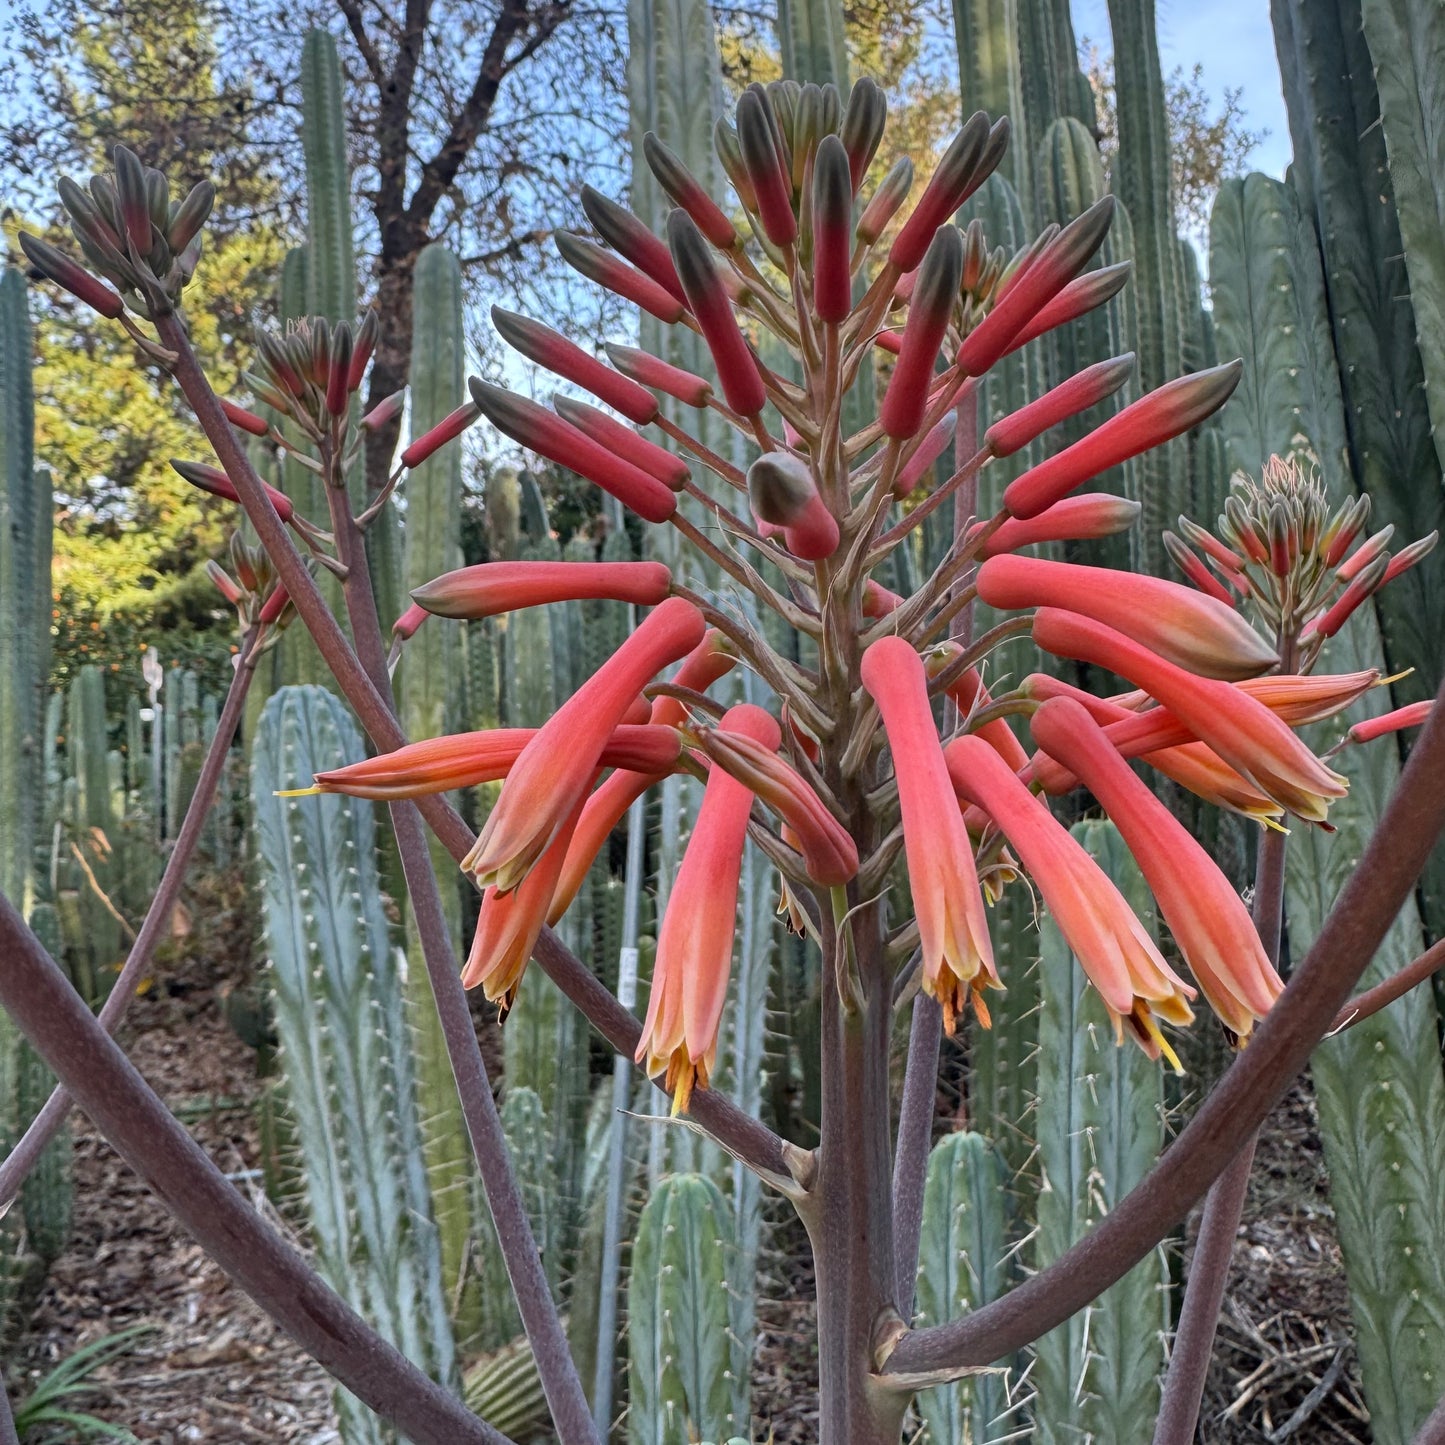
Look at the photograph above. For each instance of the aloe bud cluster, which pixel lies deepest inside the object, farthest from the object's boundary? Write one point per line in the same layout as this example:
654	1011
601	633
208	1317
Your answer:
142	242
1280	546
254	590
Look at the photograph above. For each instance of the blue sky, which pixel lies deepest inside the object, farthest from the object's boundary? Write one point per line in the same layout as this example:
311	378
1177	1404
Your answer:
1233	41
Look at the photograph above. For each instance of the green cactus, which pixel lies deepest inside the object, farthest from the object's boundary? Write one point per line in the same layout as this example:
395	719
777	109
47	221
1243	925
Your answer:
1053	84
344	1041
428	698
991	78
1379	1086
677	1305
1141	178
812	38
962	1264
1100	1127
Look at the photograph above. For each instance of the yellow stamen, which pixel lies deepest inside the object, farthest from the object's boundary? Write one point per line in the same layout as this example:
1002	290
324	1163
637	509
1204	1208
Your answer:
299	792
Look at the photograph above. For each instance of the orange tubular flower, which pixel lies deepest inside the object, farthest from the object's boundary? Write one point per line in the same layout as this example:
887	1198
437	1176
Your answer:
830	856
556	768
695	943
462	760
1409	716
509	925
1206	916
1117	954
493	587
1180	624
957	953
1245	733
1074	519
702	667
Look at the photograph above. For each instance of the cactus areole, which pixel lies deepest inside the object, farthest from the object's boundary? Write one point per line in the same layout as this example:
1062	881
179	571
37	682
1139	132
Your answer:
893	837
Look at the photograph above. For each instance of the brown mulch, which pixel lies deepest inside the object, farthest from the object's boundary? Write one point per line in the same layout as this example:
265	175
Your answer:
211	1367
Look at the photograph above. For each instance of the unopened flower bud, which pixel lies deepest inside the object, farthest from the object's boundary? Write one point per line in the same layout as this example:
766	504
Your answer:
950	185
1081	391
1342	529
362	349
548	435
1365	583
490	588
1078	298
224	583
763	163
883	206
783	493
925	454
447	429
338	391
687	191
1162	415
274	606
631	240
248	421
729	152
931	309
1192	568
862	128
71	277
649	370
737	368
385	411
218	484
1406	557
1410	716
610	271
1368	550
668	468
190	216
1058	264
550	349
134	198
1079	518
832	227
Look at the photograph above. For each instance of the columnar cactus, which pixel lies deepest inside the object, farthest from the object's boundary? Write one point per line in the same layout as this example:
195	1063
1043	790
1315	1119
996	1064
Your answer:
1099	1131
677	1316
1379	1086
345	1045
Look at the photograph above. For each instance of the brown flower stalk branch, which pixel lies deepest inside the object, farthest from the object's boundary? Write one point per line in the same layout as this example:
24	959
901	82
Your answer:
137	1124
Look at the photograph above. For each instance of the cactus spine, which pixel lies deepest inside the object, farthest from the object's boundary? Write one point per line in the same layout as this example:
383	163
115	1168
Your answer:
961	1266
344	1042
1099	1133
677	1309
1379	1086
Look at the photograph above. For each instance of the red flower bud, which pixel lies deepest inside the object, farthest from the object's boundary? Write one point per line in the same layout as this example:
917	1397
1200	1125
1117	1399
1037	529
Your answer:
1060	261
1406	557
490	588
862	128
950	185
1081	391
224	584
362	349
548	435
1368	550
632	240
657	461
1078	298
385	411
737	368
1410	716
1162	415
218	484
929	312
190	216
338	379
134	198
686	190
891	193
925	454
273	606
71	277
771	184
1075	519
783	493
1190	566
1365	583
248	421
600	265
649	370
447	429
725	143
832	228
550	349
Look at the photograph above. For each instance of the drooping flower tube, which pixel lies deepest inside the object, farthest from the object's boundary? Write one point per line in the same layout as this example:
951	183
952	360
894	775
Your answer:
1245	733
695	943
1181	625
957	952
556	768
604	810
1119	957
968	693
1206	916
463	760
489	588
509	924
1079	518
